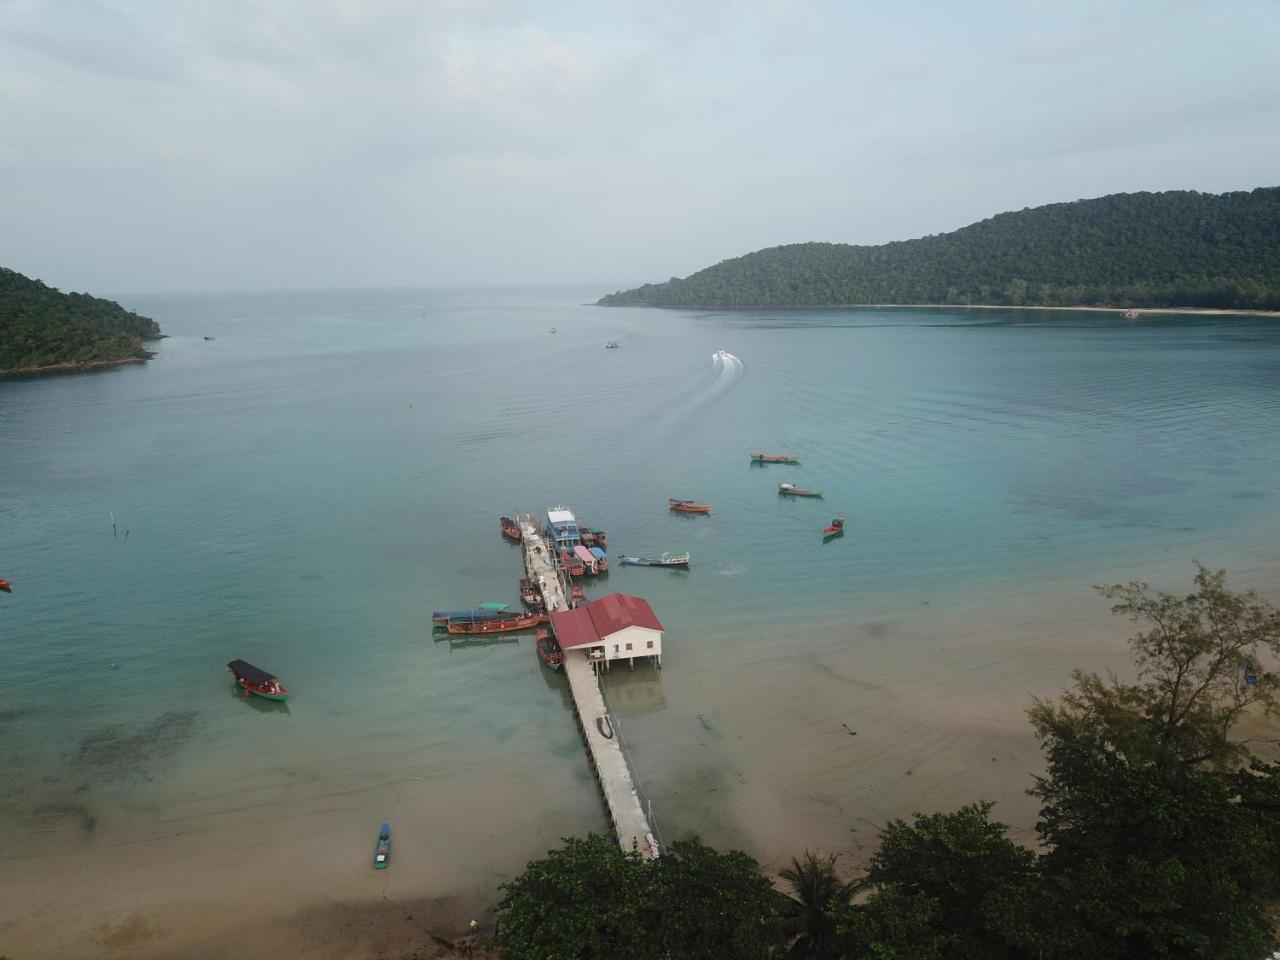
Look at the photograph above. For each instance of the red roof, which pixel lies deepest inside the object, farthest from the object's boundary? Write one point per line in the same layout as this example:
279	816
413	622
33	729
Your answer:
591	624
618	611
574	628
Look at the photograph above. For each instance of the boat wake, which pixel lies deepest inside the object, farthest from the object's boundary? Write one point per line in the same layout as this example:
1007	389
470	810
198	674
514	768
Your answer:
728	367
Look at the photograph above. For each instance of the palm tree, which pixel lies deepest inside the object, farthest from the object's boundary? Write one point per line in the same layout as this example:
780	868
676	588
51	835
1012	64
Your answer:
808	915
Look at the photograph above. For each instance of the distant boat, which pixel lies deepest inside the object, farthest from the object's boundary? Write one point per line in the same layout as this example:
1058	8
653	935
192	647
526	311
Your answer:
549	652
611	345
382	852
774	458
5	586
666	560
520	621
208	338
553	329
834	529
258	682
687	506
511	529
723	354
792	490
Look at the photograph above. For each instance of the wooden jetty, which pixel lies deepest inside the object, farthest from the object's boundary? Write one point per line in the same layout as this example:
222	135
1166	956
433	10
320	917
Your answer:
630	824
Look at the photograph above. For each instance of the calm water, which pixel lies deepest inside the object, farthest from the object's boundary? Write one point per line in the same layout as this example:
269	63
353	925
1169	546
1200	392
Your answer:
304	489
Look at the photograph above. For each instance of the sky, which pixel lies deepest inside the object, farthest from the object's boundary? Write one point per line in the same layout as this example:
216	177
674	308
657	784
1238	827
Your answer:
197	145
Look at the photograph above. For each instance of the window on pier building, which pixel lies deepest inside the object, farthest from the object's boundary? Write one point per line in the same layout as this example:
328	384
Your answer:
628	646
649	644
615	648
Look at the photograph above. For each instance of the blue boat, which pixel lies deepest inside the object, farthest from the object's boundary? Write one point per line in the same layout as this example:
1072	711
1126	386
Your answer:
382	853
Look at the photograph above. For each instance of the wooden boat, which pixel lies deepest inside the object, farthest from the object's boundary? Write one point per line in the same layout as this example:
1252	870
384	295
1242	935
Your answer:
587	537
774	458
687	506
834	529
577	594
520	621
549	651
666	560
602	561
571	564
6	586
791	490
486	611
511	529
530	595
602	540
258	682
382	852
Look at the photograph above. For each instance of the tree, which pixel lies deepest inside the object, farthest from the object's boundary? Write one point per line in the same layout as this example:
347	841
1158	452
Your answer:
716	905
974	876
1195	662
891	925
1159	843
810	914
586	900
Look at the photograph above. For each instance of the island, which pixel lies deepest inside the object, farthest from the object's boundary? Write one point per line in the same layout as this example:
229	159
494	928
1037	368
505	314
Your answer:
43	329
1176	249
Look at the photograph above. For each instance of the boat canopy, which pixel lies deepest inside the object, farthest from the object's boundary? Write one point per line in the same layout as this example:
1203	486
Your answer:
598	553
247	671
585	555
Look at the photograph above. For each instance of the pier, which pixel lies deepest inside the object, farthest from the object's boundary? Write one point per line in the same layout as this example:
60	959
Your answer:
630	824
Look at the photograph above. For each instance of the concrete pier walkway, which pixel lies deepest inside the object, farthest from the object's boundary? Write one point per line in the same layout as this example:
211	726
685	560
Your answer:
620	797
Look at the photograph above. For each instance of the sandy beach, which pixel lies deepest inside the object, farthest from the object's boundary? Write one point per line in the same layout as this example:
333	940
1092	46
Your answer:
817	745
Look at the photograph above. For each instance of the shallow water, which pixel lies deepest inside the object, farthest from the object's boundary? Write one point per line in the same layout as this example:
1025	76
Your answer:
302	490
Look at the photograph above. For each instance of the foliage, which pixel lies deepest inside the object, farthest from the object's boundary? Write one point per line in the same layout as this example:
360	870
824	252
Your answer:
41	327
891	925
1193	662
1172	249
964	865
810	914
716	905
589	899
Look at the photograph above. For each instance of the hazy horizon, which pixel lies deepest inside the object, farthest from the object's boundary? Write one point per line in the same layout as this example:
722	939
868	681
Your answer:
501	143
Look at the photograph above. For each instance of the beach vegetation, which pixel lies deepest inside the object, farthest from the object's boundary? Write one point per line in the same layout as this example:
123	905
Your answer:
1159	836
1172	249
43	327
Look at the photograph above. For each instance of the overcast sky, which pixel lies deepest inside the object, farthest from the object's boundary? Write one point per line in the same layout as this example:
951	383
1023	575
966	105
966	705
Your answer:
248	145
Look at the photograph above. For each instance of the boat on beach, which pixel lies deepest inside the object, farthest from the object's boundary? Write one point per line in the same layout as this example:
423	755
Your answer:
687	506
253	680
510	529
382	852
520	621
834	529
791	490
549	652
773	458
666	560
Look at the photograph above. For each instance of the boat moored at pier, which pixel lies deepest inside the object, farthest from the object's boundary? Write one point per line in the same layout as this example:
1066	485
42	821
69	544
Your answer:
510	529
549	652
522	621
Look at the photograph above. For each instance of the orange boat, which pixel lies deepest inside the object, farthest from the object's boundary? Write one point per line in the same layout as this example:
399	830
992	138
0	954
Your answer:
511	529
774	458
522	622
687	506
549	651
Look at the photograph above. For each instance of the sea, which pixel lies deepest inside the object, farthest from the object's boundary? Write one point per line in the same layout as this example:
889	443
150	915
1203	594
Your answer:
299	478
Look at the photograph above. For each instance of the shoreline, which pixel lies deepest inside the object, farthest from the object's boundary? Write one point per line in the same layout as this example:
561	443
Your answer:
1138	311
76	367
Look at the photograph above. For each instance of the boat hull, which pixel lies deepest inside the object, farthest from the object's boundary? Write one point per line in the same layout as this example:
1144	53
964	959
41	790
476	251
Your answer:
684	506
773	458
482	627
265	695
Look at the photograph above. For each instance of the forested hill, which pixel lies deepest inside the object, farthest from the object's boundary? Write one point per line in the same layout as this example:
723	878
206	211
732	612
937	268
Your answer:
1175	249
42	327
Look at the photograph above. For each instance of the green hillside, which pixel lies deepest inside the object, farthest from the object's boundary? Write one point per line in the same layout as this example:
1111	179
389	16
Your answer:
42	327
1175	249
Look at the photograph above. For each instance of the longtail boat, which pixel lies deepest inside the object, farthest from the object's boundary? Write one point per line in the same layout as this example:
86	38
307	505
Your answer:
486	611
382	852
4	585
774	458
687	506
666	560
511	529
549	651
258	682
791	490
522	621
834	529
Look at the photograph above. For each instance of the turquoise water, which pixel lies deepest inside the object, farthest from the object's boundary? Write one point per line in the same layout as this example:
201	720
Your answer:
302	490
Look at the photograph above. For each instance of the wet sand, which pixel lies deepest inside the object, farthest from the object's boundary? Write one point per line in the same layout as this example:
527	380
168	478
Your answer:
813	739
